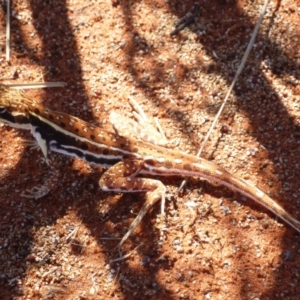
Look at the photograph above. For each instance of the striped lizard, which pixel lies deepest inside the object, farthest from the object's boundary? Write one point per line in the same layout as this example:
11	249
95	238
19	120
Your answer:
124	157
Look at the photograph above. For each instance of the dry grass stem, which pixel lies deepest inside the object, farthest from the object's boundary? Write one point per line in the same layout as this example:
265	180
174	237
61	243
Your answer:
237	74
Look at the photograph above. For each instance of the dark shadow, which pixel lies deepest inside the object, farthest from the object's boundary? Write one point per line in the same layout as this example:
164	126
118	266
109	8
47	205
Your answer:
58	63
226	24
59	58
61	64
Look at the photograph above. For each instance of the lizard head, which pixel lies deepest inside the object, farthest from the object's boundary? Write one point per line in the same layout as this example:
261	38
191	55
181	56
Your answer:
14	107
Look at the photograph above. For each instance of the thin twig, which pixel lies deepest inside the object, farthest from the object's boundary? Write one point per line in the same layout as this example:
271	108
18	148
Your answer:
160	130
8	30
38	85
237	74
126	255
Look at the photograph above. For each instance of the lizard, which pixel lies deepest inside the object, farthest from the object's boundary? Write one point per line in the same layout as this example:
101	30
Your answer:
125	158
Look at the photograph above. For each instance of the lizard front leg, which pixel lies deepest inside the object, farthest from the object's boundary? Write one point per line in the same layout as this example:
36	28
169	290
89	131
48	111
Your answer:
50	184
121	178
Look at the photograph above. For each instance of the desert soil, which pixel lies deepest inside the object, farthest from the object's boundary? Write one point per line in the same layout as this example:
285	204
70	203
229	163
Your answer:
214	243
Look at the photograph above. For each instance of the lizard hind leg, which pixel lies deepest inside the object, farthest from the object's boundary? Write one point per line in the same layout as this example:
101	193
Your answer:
120	178
142	128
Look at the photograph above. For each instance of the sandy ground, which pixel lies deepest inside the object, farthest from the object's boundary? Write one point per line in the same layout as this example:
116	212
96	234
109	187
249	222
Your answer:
214	244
